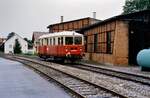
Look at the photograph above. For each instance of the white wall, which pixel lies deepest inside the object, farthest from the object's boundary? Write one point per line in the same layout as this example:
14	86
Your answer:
9	44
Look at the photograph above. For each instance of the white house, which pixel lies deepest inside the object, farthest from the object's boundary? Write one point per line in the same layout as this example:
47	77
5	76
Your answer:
9	44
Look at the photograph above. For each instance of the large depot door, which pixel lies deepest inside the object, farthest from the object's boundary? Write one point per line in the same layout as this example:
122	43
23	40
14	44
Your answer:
139	38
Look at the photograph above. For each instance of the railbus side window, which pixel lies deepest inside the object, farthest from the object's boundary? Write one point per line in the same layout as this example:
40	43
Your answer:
54	41
38	42
50	41
62	40
46	41
59	41
68	40
42	41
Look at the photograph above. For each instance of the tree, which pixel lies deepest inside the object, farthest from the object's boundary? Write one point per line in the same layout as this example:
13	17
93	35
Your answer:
10	35
30	44
136	5
17	47
2	47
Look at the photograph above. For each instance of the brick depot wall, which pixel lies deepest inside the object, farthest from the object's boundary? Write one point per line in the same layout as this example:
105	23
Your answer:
119	55
69	26
121	43
100	58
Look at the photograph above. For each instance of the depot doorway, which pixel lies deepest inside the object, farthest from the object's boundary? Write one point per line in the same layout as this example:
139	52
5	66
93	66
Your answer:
139	38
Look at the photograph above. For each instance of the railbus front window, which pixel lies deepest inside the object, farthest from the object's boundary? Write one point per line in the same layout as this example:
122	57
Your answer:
69	40
78	40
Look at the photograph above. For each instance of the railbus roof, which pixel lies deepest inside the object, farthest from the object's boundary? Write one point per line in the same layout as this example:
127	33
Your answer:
57	34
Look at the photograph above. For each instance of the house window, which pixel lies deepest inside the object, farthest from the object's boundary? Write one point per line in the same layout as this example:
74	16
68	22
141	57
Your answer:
10	46
10	52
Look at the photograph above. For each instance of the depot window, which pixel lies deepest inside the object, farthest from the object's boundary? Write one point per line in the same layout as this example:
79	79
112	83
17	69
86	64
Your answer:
69	40
108	43
78	40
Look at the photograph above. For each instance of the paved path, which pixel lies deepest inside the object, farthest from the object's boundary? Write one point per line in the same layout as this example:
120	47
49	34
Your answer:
17	81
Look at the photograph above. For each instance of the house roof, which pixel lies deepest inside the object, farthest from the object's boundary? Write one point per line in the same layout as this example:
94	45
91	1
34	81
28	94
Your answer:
128	17
15	35
36	35
73	21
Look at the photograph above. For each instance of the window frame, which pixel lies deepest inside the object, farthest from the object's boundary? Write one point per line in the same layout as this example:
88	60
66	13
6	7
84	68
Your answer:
108	43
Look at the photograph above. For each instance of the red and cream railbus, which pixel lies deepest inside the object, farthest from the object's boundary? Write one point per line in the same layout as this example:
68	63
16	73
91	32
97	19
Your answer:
63	45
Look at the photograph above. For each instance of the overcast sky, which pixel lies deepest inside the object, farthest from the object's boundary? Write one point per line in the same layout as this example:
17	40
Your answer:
26	16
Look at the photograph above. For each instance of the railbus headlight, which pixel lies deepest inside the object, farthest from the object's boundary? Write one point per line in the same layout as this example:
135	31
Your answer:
66	50
80	49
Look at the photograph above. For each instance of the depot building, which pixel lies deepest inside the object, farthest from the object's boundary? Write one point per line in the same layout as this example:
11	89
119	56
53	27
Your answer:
117	40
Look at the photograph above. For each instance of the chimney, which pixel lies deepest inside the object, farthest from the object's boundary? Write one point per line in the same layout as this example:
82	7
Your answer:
62	19
94	15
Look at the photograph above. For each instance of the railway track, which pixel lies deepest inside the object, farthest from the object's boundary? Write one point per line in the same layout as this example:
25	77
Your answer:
114	73
82	88
110	72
